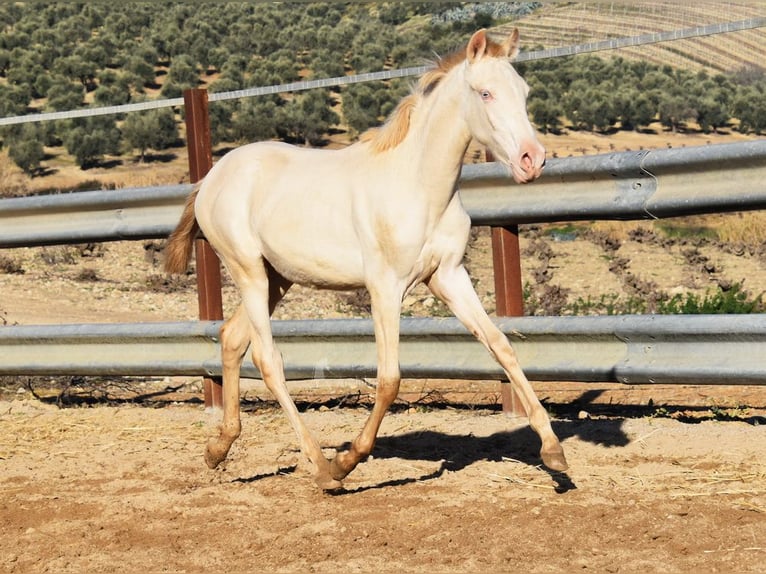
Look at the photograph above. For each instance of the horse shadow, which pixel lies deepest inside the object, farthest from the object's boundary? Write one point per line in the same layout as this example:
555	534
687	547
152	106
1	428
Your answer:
455	452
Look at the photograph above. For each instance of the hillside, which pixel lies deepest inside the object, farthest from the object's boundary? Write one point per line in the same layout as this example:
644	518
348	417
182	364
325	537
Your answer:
566	23
141	53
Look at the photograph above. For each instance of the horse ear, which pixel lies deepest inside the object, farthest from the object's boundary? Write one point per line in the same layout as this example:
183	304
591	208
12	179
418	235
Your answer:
511	44
477	45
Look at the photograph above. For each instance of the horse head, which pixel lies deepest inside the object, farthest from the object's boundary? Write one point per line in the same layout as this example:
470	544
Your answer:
496	106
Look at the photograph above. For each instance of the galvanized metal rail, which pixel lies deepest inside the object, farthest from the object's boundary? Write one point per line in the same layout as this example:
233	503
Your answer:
647	184
107	215
698	349
624	185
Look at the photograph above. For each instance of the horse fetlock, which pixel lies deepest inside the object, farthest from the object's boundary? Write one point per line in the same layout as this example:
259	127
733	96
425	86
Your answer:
324	480
229	432
323	475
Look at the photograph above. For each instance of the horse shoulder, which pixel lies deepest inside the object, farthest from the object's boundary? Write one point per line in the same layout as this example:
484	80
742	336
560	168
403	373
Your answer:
450	236
446	244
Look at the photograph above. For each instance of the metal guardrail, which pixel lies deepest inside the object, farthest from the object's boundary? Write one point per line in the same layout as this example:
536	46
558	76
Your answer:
624	185
109	215
647	184
700	349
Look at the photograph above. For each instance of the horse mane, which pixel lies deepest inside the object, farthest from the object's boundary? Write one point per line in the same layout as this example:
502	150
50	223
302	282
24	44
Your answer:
395	129
397	125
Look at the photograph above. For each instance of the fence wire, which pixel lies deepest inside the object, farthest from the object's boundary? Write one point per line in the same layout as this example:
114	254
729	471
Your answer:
589	47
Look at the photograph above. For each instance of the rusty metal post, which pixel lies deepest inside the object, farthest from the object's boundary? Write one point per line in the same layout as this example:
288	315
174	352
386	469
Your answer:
509	299
200	150
506	262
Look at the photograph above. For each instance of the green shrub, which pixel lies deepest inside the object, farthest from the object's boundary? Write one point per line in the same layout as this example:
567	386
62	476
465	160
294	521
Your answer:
723	300
731	300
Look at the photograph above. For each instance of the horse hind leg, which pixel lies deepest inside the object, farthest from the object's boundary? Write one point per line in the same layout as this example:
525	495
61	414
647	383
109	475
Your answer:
235	338
235	335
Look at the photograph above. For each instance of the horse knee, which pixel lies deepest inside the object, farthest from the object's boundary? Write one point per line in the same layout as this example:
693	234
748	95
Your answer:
269	363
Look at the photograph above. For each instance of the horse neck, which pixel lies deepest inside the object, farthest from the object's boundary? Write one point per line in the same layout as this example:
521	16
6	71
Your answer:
438	138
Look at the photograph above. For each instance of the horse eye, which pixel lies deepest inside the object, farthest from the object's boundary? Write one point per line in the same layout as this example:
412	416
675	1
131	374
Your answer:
486	95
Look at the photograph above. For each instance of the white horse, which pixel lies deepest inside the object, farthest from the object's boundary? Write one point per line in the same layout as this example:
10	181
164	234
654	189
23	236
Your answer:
382	214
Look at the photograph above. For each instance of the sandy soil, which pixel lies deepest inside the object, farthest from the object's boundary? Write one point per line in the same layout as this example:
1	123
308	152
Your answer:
124	488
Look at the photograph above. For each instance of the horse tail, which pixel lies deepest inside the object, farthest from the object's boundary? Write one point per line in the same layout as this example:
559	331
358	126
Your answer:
180	245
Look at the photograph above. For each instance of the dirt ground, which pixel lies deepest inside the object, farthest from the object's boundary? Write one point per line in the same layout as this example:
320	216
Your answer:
123	487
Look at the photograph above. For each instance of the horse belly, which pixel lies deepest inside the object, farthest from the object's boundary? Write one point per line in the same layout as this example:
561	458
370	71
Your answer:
306	267
313	248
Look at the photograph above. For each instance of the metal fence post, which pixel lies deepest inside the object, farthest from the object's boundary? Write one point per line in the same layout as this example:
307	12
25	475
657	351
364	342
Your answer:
199	147
506	262
509	299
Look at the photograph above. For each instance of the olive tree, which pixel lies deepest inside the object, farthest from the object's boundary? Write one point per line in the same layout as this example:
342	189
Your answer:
151	129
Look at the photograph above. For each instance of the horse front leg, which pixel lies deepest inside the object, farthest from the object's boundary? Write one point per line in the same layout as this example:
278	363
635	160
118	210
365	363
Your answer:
386	308
453	286
261	287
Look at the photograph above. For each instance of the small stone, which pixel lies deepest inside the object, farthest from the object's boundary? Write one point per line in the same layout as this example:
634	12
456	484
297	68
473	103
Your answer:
583	415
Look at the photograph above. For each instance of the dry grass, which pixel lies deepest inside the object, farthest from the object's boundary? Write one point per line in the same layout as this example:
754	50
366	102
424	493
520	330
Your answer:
620	230
13	182
747	228
128	172
743	228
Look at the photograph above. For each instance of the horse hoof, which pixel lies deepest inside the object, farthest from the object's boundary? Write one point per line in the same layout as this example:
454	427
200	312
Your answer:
328	483
213	454
555	460
336	471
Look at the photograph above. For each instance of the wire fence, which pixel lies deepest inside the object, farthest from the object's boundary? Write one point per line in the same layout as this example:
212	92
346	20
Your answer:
589	47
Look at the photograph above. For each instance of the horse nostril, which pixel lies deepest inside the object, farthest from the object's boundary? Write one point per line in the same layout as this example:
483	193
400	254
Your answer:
526	162
544	162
